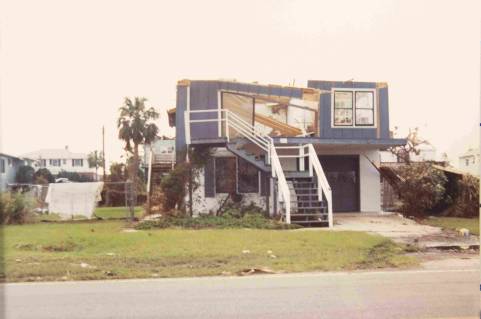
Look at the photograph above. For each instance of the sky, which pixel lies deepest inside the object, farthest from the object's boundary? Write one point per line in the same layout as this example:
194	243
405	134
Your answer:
66	66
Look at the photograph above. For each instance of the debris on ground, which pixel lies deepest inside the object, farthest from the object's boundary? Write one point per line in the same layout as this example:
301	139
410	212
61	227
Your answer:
130	230
246	251
256	271
152	217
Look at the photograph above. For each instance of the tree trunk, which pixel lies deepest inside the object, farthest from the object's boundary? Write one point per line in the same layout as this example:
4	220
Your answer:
133	174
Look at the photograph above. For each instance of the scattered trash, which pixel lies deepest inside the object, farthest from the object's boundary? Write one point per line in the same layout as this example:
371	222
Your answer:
152	217
110	254
130	230
226	273
272	256
254	271
109	273
246	251
155	275
18	260
463	232
269	252
85	265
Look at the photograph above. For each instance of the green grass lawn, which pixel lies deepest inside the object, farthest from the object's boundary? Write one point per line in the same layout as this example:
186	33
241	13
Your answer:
455	223
103	250
117	212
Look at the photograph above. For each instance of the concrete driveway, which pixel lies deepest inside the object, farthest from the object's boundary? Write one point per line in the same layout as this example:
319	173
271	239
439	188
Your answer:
404	230
389	225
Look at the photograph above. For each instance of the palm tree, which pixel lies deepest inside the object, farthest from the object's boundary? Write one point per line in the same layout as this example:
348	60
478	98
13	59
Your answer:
136	127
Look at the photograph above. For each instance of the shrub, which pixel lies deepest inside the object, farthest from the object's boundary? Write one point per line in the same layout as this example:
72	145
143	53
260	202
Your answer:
184	178
255	221
15	208
43	176
25	174
74	177
466	200
174	186
421	187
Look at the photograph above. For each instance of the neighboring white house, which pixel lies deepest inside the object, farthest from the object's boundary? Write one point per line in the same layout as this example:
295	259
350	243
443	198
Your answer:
57	160
8	169
469	161
426	153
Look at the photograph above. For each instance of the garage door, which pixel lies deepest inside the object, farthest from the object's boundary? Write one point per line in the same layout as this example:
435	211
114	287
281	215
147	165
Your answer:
342	172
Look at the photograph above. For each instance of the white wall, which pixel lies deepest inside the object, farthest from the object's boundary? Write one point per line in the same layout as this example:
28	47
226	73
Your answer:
473	165
67	166
370	182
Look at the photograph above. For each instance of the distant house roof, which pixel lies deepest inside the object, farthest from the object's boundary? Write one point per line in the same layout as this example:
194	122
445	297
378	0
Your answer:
11	156
55	154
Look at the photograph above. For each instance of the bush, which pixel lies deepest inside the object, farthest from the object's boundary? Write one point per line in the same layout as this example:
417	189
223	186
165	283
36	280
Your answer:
255	221
15	208
74	177
174	186
25	174
466	200
43	176
421	187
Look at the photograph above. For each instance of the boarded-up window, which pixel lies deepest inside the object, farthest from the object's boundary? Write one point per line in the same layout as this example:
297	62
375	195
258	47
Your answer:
247	177
225	168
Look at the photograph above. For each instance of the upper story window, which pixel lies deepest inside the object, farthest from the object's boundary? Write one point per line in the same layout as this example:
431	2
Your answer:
64	162
2	166
54	162
354	108
77	162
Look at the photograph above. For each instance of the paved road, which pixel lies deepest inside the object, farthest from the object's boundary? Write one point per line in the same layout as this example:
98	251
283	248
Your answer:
397	294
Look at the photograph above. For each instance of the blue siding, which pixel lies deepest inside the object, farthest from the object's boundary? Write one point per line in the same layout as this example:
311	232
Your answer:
350	133
181	104
203	96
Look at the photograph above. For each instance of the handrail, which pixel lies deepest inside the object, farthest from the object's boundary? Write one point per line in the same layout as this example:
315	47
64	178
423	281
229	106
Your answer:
322	183
283	187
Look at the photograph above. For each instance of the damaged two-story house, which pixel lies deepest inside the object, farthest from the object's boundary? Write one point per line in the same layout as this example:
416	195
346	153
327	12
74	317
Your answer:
299	153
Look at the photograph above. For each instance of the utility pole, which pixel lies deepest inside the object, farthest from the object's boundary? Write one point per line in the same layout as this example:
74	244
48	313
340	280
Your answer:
103	150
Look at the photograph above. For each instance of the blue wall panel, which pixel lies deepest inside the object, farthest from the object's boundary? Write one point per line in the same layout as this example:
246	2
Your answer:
327	131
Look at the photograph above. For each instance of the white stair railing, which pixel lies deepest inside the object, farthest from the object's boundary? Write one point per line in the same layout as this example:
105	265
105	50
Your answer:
322	183
283	191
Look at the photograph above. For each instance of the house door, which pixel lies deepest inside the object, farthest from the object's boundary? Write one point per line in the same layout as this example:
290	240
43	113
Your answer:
342	172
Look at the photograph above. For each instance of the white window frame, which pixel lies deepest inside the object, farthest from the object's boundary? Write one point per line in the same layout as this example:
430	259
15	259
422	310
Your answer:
354	90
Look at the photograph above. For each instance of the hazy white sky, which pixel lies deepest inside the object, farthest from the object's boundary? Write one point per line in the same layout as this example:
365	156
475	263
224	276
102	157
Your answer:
66	65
